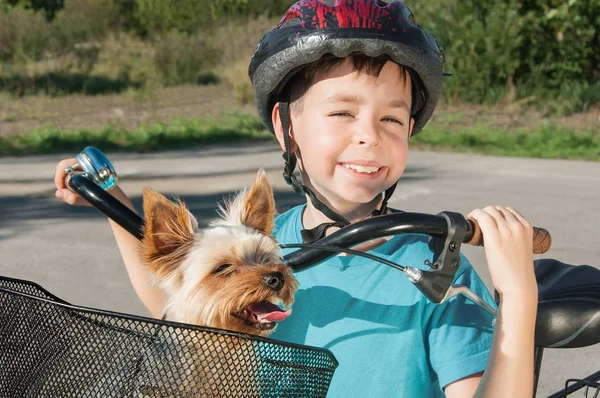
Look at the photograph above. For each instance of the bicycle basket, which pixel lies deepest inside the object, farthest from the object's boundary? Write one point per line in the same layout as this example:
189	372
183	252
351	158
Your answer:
50	348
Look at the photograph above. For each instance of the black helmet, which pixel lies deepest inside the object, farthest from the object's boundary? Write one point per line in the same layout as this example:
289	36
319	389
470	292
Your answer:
311	29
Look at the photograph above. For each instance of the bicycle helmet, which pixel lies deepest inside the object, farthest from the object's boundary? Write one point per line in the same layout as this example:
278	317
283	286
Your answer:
311	29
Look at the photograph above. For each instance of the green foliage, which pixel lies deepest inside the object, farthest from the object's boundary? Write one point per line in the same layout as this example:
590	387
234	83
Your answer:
159	16
48	7
24	34
561	39
178	134
540	52
481	43
60	84
545	50
183	58
84	20
544	141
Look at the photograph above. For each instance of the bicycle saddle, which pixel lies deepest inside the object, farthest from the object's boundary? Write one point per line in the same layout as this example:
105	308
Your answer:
569	305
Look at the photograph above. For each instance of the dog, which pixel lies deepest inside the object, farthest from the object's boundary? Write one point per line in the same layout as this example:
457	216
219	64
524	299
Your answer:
229	275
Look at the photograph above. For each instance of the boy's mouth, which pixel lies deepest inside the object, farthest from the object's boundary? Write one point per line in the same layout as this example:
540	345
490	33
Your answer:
367	170
361	169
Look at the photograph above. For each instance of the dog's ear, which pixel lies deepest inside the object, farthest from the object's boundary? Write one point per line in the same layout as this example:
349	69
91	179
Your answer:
254	208
259	205
168	233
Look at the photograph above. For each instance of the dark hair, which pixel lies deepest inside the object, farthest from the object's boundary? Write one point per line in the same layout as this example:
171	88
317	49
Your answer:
300	82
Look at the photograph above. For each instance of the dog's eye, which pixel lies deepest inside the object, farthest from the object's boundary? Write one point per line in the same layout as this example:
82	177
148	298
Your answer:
221	268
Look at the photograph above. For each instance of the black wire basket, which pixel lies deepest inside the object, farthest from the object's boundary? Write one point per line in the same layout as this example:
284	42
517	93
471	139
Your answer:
49	348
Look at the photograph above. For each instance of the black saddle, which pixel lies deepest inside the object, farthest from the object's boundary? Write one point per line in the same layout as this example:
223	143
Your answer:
569	305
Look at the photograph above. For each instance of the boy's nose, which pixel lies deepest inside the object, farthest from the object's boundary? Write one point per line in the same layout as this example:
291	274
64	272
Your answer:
368	135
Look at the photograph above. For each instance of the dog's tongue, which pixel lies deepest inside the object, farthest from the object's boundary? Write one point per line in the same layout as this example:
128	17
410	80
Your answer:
269	311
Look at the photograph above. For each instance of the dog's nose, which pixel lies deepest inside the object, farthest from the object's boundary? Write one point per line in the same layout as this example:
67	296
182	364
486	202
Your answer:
274	280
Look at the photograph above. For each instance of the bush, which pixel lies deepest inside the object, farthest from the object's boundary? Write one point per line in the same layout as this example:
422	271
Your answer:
237	40
482	47
47	7
541	49
561	41
24	34
82	21
160	16
183	58
541	52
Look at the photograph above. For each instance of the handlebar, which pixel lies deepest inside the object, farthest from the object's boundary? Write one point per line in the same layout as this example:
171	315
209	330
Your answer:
542	240
435	226
106	203
447	231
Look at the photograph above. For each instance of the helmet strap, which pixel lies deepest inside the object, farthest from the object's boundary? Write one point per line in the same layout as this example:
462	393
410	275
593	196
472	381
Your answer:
318	232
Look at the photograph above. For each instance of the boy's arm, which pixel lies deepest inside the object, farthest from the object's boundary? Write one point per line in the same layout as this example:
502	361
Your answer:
510	366
509	251
150	295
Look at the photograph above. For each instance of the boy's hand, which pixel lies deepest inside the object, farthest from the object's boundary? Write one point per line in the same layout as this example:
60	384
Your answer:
62	192
508	246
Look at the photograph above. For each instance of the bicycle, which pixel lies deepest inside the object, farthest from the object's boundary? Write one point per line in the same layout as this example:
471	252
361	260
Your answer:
567	313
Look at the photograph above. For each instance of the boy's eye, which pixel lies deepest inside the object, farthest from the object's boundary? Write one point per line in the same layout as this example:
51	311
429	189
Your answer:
393	120
340	114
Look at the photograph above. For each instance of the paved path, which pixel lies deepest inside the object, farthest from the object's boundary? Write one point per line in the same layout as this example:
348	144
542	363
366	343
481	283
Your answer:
71	252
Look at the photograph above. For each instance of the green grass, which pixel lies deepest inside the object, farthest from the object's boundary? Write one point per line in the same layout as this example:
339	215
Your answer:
545	141
175	135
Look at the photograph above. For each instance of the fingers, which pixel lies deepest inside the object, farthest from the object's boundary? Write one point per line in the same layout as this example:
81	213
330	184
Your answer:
69	197
503	220
60	174
62	192
518	216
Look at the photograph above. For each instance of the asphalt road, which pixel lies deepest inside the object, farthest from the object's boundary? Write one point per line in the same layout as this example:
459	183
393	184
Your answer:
71	252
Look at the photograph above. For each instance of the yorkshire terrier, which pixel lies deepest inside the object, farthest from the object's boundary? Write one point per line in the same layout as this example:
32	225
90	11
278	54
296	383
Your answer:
229	275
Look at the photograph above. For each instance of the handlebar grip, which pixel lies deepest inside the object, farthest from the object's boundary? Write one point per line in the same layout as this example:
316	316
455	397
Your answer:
542	240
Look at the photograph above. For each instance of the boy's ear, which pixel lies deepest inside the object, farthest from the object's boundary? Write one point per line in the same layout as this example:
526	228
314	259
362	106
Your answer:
254	208
276	119
410	127
168	233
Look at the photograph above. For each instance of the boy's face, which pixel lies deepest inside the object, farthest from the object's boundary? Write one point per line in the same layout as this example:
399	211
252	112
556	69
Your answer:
351	134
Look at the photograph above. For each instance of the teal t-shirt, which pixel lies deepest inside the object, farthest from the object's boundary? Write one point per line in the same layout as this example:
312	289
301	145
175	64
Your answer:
390	341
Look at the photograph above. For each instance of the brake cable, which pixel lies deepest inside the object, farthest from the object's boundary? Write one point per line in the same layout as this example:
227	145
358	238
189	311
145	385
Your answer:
413	274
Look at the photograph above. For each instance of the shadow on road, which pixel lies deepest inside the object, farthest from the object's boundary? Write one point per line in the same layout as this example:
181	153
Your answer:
19	214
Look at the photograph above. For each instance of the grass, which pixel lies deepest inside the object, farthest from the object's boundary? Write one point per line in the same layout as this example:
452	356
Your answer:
182	133
543	141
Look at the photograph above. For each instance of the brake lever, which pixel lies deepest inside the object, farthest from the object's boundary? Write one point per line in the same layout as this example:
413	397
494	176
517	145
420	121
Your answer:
455	290
436	283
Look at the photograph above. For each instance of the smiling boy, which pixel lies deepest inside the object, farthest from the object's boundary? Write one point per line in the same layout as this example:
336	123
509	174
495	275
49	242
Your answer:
343	85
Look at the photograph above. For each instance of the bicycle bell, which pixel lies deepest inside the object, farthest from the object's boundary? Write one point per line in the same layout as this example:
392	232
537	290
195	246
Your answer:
96	166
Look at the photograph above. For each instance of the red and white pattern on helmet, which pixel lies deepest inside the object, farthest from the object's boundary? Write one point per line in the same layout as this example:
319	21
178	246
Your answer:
374	14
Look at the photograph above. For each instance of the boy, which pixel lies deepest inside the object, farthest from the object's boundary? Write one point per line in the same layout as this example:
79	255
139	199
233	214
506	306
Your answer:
343	85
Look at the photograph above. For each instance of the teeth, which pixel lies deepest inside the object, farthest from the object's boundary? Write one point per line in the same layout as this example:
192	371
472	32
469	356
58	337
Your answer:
361	169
